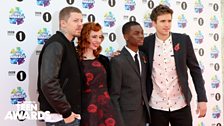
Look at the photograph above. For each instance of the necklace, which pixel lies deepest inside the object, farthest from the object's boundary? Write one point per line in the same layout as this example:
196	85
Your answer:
89	57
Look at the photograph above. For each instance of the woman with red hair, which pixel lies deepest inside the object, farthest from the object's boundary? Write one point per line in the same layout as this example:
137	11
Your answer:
97	109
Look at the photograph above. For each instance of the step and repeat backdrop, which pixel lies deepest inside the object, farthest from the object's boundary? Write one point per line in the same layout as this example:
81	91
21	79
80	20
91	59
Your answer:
26	24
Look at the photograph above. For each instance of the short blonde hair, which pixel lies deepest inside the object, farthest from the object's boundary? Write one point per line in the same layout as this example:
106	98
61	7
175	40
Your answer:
65	12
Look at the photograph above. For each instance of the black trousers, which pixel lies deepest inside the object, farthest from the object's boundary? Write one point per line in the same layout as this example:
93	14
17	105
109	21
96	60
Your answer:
181	117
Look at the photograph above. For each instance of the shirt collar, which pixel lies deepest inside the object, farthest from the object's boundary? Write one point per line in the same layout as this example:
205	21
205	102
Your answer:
132	52
161	41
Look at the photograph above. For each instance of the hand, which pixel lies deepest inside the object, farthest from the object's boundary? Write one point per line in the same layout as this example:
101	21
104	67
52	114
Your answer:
71	118
201	109
115	53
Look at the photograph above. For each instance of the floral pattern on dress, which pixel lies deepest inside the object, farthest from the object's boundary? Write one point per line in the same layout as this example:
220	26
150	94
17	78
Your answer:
97	109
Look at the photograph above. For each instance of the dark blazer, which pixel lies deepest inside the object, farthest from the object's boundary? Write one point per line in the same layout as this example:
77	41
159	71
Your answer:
128	91
184	58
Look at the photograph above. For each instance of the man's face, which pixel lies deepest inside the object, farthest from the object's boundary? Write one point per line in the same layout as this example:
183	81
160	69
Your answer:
135	36
73	25
163	24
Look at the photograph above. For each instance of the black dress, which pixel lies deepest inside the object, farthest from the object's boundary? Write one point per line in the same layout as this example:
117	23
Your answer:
97	109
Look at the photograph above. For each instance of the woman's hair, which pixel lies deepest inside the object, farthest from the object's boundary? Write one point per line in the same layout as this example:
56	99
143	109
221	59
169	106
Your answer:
83	42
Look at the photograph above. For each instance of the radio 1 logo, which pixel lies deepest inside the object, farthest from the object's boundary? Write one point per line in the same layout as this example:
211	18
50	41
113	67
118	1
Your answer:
165	2
17	56
42	35
16	16
198	7
216	112
147	20
214	52
182	21
43	3
199	37
214	22
215	82
109	51
88	4
109	19
129	5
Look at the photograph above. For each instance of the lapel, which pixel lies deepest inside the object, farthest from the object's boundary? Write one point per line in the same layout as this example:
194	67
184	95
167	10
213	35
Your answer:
143	63
130	60
151	49
175	42
144	69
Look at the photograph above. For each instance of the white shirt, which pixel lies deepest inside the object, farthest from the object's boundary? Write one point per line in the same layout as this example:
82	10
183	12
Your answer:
133	56
53	117
166	94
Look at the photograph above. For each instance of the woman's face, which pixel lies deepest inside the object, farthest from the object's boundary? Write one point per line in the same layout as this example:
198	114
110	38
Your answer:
95	39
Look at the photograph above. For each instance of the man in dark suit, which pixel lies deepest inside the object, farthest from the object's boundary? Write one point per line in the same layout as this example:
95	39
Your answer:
128	79
169	55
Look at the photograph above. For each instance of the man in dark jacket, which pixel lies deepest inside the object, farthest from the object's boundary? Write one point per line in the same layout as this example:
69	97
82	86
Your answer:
128	79
170	55
59	78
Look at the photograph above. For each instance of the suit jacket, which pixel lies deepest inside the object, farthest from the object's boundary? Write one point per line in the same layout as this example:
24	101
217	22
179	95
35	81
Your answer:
128	88
184	57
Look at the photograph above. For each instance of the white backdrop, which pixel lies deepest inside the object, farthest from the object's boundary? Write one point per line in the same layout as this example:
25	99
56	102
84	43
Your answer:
25	24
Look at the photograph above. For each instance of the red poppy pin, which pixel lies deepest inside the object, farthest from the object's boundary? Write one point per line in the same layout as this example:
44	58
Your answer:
144	59
177	47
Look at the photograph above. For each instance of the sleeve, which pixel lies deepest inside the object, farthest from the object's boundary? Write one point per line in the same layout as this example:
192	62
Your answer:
115	88
49	78
195	72
143	48
106	63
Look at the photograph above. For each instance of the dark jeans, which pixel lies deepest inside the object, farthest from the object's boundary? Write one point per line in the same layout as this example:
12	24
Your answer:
76	122
181	117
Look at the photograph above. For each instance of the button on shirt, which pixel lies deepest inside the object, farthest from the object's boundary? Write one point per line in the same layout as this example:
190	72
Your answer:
133	56
166	94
